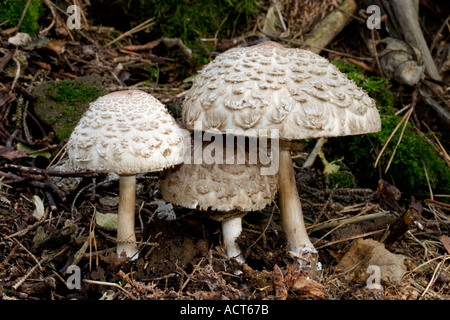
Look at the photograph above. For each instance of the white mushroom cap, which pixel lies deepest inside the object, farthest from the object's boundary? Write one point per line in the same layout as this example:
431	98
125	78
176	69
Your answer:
221	187
268	86
126	132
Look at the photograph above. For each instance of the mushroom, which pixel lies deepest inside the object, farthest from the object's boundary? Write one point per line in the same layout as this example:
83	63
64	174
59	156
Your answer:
227	192
295	92
126	132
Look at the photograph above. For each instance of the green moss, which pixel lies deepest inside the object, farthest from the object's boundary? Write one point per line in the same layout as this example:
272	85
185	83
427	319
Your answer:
193	20
71	93
407	168
61	104
11	10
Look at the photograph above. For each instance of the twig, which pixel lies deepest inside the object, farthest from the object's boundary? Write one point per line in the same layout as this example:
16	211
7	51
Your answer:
27	275
336	222
8	144
92	238
31	255
138	28
265	228
407	115
16	76
24	12
61	153
44	134
367	209
417	240
29	228
439	33
350	238
51	201
444	113
442	149
56	173
315	151
433	277
115	285
192	273
52	10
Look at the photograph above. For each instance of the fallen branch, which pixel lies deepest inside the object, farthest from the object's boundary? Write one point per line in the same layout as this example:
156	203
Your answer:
336	222
56	173
408	21
327	29
445	115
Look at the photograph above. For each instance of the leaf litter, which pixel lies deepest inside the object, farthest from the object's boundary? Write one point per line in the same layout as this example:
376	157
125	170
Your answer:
44	230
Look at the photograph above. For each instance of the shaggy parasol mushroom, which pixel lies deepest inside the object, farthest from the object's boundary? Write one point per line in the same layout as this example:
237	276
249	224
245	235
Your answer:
294	91
126	132
226	191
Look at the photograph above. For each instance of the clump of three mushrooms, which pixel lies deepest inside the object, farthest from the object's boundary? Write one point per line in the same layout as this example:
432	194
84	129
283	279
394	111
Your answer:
249	90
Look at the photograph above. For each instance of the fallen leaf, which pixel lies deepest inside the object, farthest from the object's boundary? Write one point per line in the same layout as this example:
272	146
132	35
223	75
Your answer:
56	45
39	211
20	39
279	284
15	154
106	220
31	153
366	254
309	287
446	242
329	167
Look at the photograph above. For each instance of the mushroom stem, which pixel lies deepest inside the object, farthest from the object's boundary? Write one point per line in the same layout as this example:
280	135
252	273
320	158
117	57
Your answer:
231	229
126	238
290	206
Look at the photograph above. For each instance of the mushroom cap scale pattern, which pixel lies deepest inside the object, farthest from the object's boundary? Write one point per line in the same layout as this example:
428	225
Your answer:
268	86
126	132
219	186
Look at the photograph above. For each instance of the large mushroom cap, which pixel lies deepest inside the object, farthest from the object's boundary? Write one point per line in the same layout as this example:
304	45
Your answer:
268	86
221	187
126	132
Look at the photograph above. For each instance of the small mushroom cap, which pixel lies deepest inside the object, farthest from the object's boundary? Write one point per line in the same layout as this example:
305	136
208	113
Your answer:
126	132
221	187
268	86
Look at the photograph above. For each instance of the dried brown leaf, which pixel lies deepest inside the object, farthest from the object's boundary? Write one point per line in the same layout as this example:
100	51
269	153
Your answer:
56	45
15	154
279	284
446	242
309	288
